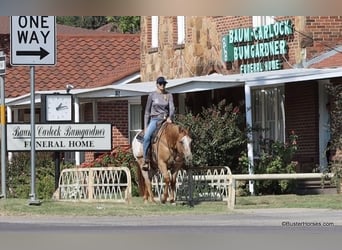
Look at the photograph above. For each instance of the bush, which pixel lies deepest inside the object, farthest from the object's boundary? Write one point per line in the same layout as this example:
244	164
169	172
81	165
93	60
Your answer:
277	160
218	138
19	175
335	145
120	156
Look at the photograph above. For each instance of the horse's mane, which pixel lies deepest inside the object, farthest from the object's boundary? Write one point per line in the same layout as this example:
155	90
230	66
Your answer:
172	132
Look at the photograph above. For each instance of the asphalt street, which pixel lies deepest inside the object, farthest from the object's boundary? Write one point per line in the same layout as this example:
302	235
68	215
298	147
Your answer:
242	229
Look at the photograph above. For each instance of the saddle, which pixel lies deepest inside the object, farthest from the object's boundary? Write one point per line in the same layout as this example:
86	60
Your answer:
140	136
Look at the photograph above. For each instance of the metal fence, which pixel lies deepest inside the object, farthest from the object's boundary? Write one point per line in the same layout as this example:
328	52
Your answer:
95	184
198	184
193	185
114	184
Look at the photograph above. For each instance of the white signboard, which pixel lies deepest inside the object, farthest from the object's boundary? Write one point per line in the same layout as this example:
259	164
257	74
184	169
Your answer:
33	40
60	137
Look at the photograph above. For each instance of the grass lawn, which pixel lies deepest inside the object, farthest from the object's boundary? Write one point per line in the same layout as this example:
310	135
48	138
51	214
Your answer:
138	208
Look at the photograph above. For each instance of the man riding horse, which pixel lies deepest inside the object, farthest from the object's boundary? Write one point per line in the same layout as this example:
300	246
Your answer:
159	108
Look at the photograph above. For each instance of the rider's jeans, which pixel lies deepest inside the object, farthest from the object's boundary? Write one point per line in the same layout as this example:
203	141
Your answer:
152	126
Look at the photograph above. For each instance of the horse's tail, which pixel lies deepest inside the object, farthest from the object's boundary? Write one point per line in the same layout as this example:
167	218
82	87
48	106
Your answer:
141	181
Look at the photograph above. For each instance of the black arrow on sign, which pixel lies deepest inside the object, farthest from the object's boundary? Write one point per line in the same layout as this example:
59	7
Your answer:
42	53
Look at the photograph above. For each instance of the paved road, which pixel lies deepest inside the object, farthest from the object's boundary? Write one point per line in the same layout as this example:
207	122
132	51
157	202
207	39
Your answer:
311	218
243	229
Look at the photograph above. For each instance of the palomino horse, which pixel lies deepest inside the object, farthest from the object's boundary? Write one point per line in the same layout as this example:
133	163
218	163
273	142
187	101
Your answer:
170	151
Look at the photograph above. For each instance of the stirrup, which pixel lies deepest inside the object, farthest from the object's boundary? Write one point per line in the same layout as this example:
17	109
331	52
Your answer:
146	165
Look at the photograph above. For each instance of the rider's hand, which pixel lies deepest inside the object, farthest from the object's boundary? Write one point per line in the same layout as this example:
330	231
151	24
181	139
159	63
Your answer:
169	120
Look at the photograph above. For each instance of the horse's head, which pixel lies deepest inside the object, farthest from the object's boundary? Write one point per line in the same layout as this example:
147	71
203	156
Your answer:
184	145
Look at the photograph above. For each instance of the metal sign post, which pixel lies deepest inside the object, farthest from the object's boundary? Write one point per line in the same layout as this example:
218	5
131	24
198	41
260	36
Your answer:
33	42
3	123
33	200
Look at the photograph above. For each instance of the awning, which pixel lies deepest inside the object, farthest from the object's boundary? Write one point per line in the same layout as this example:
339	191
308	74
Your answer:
194	84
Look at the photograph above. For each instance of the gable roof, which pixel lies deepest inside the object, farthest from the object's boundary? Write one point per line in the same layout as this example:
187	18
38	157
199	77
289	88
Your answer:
85	59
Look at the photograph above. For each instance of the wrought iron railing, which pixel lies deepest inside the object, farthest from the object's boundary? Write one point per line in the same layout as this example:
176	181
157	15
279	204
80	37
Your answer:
198	184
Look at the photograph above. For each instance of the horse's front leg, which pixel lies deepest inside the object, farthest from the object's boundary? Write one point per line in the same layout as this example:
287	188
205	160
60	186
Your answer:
173	187
166	177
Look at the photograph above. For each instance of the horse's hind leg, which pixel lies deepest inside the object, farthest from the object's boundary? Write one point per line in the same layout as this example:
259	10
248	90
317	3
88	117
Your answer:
148	195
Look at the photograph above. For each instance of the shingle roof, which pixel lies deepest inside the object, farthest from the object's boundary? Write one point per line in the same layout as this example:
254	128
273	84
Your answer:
85	58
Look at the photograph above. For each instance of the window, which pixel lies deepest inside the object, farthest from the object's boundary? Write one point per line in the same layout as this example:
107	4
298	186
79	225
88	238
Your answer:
155	31
262	20
268	116
181	29
135	120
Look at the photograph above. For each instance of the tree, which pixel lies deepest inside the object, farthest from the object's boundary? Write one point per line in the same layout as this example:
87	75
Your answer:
122	24
126	24
87	22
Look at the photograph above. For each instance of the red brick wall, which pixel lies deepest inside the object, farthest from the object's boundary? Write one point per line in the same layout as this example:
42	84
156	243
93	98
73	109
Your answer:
116	113
326	32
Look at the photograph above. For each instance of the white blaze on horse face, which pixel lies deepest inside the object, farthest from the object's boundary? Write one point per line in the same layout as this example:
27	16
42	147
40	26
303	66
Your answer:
186	141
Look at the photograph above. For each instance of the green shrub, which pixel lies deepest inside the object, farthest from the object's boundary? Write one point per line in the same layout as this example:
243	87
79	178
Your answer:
45	187
120	156
277	160
19	175
217	134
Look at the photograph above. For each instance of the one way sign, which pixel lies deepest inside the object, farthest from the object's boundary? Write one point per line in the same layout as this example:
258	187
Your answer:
33	40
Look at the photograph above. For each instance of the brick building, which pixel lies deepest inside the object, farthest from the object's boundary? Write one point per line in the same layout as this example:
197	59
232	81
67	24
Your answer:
92	61
276	65
280	62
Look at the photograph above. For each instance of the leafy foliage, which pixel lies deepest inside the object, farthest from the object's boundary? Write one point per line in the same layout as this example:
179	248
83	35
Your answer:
218	139
87	22
120	156
336	133
122	24
125	24
336	113
19	175
277	160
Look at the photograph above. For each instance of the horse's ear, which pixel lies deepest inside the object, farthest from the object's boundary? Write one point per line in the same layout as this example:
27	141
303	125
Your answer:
182	130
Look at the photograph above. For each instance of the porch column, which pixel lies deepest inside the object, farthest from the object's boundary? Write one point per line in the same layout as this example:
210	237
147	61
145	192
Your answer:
9	120
77	120
248	105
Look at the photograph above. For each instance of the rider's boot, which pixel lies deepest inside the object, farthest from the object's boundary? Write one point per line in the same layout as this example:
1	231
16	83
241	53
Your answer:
146	165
